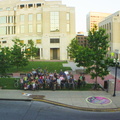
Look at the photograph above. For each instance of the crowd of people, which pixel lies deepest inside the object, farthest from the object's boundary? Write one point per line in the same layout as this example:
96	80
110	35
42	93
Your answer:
42	79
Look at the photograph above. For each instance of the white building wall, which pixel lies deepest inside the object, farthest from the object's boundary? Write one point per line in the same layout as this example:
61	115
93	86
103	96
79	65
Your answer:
112	26
45	34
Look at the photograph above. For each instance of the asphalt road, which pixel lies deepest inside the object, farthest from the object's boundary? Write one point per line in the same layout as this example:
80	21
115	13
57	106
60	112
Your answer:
23	110
112	70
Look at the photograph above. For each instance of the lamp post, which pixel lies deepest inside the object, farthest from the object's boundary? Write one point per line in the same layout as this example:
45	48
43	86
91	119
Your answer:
116	61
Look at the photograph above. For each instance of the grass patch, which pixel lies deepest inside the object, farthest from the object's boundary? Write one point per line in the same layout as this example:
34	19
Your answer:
7	83
51	66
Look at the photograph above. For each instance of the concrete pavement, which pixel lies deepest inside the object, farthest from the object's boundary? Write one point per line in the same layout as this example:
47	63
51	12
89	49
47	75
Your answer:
72	99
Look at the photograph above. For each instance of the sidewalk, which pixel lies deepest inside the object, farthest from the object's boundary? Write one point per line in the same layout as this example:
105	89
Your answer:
71	99
88	77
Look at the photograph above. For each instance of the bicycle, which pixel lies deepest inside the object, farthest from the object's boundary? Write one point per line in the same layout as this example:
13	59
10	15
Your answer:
17	83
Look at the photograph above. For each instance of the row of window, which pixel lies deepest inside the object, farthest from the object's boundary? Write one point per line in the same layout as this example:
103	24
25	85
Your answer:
82	38
3	42
30	17
7	19
54	22
25	6
30	28
38	41
82	41
30	5
7	30
11	19
8	8
107	26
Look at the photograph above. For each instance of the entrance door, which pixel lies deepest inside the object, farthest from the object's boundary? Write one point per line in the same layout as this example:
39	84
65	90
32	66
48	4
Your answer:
54	53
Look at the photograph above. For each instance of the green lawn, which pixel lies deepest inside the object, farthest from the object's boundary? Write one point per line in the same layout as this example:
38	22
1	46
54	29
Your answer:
51	66
7	83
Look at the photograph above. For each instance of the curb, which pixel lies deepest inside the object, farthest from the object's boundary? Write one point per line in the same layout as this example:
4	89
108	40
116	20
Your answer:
16	99
79	108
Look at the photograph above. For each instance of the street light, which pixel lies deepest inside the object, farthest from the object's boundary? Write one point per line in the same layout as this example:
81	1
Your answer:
116	61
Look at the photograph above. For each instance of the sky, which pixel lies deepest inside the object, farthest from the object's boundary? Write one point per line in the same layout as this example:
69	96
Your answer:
83	7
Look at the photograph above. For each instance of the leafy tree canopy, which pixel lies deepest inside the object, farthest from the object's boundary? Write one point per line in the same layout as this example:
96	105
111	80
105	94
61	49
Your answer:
92	57
31	49
19	58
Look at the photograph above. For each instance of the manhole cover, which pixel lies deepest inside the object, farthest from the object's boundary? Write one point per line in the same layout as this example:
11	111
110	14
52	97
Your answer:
98	100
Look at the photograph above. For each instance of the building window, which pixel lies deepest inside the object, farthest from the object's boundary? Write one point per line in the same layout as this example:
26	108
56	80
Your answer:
30	17
8	8
38	4
54	21
38	41
4	41
22	41
1	9
22	29
68	27
30	5
3	30
22	6
29	41
54	40
22	17
110	37
109	26
38	17
14	27
14	19
11	30
3	19
10	19
68	16
30	27
38	27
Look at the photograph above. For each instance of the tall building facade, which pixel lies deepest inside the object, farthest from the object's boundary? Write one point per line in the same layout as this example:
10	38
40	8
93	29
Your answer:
112	26
93	18
82	39
50	24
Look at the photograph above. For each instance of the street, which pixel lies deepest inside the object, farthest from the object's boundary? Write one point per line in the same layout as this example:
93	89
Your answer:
112	71
23	110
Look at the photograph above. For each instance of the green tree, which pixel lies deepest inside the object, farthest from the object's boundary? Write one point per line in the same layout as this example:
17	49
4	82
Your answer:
73	48
99	45
79	53
19	58
31	50
93	57
5	60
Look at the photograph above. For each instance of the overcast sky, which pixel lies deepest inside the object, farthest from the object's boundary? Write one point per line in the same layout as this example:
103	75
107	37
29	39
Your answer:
83	7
